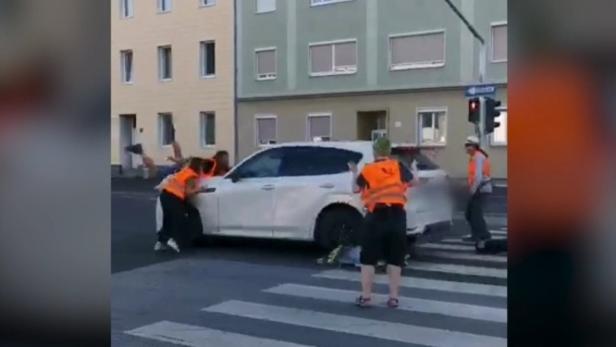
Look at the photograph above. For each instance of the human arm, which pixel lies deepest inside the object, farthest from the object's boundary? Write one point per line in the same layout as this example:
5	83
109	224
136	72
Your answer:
478	178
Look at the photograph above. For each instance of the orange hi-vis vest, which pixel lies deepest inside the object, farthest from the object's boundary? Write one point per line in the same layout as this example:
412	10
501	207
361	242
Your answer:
385	184
485	169
177	183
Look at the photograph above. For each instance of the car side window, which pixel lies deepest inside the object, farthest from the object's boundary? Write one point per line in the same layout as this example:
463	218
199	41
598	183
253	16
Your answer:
314	161
264	164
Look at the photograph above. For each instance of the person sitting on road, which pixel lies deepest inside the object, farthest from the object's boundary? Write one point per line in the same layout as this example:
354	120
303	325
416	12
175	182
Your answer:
176	191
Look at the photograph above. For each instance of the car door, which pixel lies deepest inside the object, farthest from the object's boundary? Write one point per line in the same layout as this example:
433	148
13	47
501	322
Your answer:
246	196
310	175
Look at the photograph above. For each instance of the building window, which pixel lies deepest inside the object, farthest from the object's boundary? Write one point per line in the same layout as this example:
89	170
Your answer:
164	63
208	58
319	125
325	2
266	130
126	8
499	137
334	58
499	43
418	50
164	6
265	6
208	129
205	3
166	130
126	58
432	127
266	63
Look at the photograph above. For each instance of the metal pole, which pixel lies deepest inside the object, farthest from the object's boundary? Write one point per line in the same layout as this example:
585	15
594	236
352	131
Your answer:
482	121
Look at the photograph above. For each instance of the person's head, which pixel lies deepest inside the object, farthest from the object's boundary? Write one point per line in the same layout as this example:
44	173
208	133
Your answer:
195	164
471	145
381	147
208	166
222	158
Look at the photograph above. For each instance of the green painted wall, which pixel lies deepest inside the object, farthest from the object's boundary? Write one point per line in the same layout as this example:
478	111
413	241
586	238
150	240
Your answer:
295	24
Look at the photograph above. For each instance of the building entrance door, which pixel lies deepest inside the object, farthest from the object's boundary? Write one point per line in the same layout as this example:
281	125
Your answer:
128	125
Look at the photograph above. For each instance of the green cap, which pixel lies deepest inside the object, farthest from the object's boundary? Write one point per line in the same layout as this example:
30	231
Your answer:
382	147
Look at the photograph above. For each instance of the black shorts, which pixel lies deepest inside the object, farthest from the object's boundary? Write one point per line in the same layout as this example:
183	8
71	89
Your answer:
384	236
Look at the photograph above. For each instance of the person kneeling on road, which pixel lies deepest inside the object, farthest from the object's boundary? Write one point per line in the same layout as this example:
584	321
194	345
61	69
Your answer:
383	185
175	192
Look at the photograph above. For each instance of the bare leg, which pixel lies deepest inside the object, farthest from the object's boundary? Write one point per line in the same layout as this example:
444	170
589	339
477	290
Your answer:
177	150
150	165
367	278
395	275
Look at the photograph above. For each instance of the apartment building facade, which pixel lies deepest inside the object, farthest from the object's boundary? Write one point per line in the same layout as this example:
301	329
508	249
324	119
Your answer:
172	75
354	69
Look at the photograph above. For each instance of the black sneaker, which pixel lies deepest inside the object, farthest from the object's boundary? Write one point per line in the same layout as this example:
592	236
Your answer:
362	302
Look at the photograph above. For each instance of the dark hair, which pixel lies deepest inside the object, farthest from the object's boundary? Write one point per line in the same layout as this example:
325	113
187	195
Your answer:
220	154
195	164
207	165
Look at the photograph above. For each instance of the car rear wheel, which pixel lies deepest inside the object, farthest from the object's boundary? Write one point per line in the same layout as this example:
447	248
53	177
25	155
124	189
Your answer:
339	225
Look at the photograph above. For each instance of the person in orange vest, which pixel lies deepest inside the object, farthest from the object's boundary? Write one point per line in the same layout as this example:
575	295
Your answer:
479	185
173	199
383	185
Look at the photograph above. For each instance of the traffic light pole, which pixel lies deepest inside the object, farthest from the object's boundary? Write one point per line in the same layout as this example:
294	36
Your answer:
482	70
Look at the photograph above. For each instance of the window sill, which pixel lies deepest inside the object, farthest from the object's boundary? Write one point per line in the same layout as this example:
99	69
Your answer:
415	66
498	144
208	77
266	78
128	83
323	74
211	147
165	80
266	12
328	3
428	145
128	17
206	6
498	61
163	12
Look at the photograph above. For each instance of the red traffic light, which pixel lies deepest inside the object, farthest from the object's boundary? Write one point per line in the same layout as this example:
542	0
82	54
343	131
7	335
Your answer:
473	105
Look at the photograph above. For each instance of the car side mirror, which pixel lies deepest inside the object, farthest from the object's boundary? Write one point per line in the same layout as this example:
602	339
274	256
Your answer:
234	177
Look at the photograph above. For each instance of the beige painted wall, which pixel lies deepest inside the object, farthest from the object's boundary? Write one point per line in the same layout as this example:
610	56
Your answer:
400	107
187	94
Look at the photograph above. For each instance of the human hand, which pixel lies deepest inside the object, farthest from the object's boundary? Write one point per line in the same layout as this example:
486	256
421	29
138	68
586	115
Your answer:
352	167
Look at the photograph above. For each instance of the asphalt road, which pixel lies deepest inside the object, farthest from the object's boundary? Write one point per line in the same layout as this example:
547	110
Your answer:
269	293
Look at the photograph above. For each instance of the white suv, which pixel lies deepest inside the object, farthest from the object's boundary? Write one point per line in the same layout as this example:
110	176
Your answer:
303	191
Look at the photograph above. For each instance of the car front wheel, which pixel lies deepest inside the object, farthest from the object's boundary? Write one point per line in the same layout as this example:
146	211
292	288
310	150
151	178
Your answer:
336	226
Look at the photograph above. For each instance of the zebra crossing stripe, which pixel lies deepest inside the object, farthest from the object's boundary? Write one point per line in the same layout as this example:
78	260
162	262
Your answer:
422	283
458	269
467	256
196	336
444	247
499	232
354	325
462	242
452	309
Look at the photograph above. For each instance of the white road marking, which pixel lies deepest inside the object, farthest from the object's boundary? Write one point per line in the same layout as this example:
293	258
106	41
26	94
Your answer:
499	232
422	283
406	303
196	336
458	269
462	242
355	325
466	256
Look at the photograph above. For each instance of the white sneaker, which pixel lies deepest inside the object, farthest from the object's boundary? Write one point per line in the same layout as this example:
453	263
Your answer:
171	243
159	246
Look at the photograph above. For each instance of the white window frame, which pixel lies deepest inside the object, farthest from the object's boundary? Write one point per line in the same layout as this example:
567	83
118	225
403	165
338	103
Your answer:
326	2
420	110
159	6
267	77
160	128
160	62
203	62
492	25
421	65
123	8
123	66
203	133
256	128
494	143
263	12
317	115
202	3
333	44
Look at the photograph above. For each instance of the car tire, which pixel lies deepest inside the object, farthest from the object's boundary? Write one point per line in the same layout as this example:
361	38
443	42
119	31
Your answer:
337	226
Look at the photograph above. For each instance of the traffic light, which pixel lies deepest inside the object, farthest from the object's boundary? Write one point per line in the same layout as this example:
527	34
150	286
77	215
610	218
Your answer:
473	110
491	114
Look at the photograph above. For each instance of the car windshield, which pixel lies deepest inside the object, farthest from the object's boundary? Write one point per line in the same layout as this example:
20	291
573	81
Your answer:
408	155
